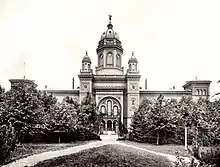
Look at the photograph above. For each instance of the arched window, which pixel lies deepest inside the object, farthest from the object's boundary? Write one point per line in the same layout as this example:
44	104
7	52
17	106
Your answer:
85	67
201	92
133	67
197	91
101	60
103	109
115	109
118	60
109	107
130	67
109	59
132	102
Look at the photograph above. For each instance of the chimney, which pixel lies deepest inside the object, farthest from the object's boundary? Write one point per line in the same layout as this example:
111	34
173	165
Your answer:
146	83
73	83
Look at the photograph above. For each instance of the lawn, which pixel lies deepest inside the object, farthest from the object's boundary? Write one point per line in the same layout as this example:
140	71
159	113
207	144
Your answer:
108	155
24	150
167	149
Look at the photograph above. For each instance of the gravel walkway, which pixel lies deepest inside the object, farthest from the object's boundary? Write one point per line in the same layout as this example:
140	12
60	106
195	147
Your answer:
106	139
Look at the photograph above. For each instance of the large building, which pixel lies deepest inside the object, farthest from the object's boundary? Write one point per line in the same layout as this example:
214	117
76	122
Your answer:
117	91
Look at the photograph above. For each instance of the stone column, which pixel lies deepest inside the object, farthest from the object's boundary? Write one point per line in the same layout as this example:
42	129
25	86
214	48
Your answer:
112	125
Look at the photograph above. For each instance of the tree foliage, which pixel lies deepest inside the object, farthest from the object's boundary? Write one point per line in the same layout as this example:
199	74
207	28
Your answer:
163	121
29	115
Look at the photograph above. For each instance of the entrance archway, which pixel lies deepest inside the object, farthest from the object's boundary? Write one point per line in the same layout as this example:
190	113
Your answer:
111	109
109	125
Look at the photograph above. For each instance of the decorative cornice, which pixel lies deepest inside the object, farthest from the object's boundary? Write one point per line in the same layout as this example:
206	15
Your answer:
166	92
85	75
196	82
108	87
109	78
101	68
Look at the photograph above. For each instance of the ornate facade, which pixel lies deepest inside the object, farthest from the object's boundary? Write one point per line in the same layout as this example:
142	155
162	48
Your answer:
117	92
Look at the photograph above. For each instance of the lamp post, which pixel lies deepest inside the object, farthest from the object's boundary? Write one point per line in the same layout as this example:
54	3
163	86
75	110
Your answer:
186	137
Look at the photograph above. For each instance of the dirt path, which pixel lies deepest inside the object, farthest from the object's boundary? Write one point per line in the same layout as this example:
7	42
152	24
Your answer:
106	139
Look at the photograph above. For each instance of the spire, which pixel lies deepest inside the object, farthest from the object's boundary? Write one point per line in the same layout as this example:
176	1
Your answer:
110	26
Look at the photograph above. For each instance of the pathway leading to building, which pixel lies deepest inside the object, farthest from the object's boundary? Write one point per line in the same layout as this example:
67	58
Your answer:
106	139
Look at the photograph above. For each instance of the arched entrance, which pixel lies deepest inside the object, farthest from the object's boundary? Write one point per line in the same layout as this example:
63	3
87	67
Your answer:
115	123
109	125
110	107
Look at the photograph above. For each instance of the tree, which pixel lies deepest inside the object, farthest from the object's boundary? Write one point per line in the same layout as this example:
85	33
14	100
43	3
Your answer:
23	108
154	120
88	115
139	123
7	133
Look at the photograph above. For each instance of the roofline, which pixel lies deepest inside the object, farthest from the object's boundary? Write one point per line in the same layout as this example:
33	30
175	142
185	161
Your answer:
196	81
165	92
62	91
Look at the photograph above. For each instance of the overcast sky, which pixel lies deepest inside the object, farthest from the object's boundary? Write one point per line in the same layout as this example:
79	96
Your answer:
174	41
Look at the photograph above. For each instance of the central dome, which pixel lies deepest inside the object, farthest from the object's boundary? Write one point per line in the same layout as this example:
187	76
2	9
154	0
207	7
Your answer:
109	39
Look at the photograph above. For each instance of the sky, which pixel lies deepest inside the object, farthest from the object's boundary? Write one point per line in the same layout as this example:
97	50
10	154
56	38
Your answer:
174	41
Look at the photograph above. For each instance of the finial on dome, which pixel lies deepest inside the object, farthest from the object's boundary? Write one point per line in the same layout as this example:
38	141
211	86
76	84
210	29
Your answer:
110	24
132	53
110	18
86	53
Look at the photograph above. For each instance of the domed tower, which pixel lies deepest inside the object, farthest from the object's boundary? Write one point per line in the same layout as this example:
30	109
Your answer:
132	64
133	89
85	77
86	63
109	53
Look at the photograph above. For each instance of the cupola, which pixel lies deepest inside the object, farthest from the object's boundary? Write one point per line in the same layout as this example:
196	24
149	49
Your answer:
86	63
132	62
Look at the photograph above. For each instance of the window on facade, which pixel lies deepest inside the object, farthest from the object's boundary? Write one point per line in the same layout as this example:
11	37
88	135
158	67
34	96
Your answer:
101	60
118	61
204	92
103	109
133	67
197	92
109	59
133	102
109	107
86	67
115	110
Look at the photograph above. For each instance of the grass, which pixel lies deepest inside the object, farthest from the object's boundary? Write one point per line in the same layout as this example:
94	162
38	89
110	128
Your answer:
24	150
108	155
167	149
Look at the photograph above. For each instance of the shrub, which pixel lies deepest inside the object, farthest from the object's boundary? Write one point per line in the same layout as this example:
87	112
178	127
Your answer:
211	156
207	157
7	141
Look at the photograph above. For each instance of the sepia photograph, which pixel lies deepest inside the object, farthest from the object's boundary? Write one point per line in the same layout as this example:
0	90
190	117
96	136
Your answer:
106	83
